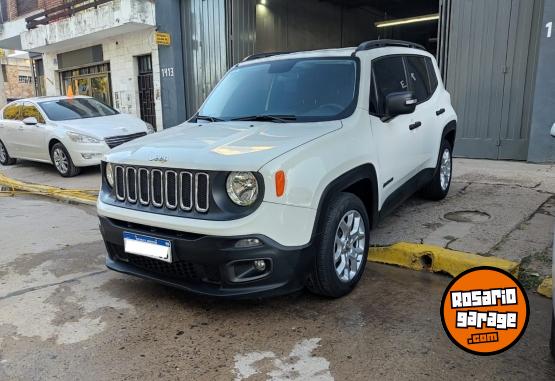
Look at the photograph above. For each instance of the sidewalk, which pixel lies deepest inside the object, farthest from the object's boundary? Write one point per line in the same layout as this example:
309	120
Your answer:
494	208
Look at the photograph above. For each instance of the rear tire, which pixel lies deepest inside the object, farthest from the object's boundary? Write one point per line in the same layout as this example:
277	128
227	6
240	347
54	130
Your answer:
342	249
438	188
5	158
62	161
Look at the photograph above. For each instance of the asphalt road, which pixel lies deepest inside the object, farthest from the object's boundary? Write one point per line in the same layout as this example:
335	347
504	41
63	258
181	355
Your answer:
64	316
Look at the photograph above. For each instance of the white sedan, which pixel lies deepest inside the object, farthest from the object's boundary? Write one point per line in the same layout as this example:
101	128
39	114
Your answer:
69	132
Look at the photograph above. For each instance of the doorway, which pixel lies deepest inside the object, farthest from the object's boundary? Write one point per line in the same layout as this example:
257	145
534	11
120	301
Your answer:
146	90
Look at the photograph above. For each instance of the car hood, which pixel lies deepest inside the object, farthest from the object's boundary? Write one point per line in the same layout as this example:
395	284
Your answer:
237	146
105	126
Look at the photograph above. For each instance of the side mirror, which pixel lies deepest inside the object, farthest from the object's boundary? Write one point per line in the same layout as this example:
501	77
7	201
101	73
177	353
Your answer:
30	121
399	103
553	130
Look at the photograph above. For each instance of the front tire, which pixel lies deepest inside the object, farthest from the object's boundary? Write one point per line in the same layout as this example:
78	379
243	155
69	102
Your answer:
438	188
5	158
341	251
62	161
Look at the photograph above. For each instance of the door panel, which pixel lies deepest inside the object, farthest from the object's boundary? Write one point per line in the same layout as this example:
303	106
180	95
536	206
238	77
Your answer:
33	145
400	147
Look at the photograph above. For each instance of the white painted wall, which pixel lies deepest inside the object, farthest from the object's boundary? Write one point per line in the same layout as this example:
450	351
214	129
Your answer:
121	51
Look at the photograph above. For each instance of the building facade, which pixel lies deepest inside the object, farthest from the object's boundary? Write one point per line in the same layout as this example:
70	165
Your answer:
104	49
17	75
491	54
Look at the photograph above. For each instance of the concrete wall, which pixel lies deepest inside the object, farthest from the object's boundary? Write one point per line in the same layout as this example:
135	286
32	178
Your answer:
542	145
121	51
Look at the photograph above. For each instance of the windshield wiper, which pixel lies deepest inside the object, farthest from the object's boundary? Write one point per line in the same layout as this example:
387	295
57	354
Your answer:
209	118
268	118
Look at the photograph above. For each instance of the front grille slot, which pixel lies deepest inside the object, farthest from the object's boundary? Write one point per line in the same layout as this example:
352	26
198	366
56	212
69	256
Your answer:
131	184
120	183
115	141
186	182
144	187
157	188
171	189
201	192
163	188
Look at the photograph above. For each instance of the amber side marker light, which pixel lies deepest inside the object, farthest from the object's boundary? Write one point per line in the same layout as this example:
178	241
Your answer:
280	183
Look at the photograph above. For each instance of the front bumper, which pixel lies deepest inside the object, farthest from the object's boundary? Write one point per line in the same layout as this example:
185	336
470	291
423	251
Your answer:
206	265
85	155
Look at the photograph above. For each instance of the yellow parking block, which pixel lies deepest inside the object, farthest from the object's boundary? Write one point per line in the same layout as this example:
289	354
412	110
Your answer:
87	197
546	288
434	258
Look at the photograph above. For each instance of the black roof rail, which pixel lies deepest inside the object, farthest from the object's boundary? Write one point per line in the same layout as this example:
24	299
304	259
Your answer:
375	44
262	55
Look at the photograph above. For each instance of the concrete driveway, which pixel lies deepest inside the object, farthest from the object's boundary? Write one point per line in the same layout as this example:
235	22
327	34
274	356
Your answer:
64	316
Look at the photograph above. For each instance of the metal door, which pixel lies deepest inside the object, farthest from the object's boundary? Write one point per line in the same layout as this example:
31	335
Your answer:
204	48
146	90
487	51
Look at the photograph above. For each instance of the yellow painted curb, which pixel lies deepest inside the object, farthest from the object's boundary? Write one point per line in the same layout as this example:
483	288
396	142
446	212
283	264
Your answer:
75	195
434	258
546	288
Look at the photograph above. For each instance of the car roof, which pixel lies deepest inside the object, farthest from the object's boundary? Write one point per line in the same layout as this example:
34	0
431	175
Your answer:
340	52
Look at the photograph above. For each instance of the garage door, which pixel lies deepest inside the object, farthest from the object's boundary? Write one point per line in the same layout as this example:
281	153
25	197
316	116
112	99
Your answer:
488	51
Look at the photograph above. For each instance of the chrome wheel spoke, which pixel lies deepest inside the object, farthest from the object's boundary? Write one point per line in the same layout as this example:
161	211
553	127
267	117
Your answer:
349	245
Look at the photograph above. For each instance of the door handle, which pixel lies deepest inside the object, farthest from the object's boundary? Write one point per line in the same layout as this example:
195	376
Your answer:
440	111
415	125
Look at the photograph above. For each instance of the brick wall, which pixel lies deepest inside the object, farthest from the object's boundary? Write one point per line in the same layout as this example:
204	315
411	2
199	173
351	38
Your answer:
14	89
14	12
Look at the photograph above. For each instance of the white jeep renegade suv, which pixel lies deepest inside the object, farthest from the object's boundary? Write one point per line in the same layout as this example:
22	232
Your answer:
277	181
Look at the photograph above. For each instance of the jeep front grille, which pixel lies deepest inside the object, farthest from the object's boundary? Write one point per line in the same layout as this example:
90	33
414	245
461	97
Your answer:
163	188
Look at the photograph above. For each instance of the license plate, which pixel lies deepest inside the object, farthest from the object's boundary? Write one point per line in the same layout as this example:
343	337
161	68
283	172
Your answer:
147	246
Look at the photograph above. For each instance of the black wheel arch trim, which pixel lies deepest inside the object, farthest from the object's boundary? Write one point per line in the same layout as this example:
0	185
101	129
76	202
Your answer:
347	179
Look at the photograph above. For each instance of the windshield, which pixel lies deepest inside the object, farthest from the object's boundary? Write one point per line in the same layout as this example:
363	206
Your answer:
75	108
299	89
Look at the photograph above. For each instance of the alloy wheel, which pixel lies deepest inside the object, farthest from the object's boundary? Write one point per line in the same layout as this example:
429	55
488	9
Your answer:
60	160
349	246
445	169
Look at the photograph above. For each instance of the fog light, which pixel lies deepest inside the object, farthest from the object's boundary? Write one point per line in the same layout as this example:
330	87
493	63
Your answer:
88	156
247	242
260	265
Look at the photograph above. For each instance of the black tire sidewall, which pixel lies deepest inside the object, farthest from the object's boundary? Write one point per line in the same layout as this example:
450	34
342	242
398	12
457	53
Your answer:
7	161
329	281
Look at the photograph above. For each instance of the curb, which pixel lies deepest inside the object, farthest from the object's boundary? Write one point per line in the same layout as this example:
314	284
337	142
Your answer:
416	256
73	195
546	288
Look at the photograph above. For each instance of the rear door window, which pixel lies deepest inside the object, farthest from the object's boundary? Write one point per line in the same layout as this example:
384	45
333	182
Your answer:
11	112
389	77
417	72
432	75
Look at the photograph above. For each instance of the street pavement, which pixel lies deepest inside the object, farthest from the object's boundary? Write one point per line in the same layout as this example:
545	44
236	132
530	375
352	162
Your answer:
64	316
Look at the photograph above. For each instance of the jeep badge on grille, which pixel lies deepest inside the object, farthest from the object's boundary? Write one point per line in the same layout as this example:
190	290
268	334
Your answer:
159	158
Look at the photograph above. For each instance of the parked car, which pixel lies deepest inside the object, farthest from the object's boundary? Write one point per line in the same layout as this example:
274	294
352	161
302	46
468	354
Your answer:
69	132
275	183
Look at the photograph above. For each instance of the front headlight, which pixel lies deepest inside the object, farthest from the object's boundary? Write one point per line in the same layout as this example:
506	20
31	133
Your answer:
150	128
242	188
110	174
80	138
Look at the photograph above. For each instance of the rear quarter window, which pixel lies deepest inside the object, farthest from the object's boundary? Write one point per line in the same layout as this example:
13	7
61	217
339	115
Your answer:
432	75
